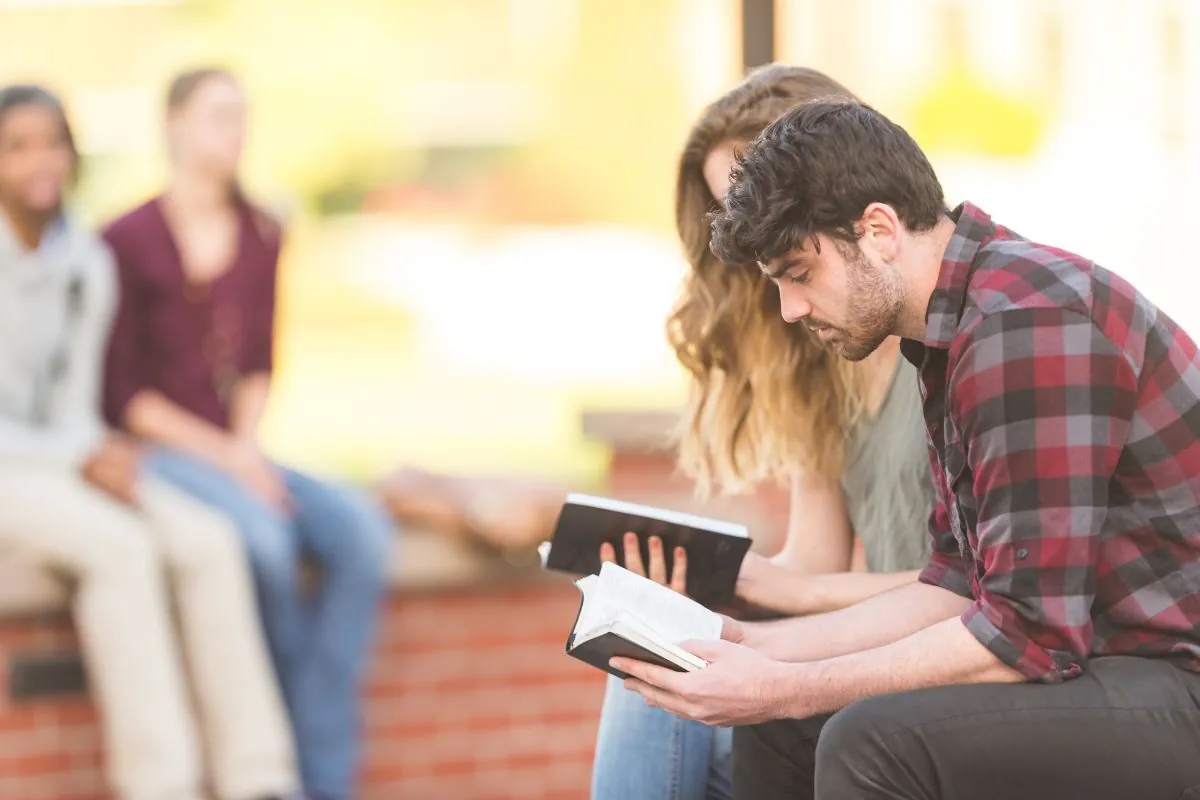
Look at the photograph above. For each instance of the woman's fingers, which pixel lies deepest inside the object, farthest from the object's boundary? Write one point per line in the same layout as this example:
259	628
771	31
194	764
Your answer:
658	564
657	572
633	555
679	571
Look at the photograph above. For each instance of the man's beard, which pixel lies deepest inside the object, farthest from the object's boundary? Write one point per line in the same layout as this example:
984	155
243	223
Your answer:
875	300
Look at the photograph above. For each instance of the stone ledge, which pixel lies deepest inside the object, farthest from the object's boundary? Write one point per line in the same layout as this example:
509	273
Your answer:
421	561
631	431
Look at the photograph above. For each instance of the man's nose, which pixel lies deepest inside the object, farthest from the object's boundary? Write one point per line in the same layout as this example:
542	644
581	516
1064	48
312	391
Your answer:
793	306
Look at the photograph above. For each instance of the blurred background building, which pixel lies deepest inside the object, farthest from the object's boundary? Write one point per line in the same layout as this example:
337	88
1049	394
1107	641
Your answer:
481	244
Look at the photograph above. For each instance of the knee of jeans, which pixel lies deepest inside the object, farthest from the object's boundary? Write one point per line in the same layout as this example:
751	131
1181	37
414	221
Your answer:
272	551
621	706
369	546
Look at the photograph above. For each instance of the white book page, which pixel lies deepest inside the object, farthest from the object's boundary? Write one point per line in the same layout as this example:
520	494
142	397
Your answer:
635	632
671	615
592	613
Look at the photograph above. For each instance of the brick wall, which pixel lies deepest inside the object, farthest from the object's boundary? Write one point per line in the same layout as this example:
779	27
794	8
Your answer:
49	749
470	696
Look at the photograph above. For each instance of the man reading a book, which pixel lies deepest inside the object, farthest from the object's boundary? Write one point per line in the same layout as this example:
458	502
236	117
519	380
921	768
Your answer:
1052	645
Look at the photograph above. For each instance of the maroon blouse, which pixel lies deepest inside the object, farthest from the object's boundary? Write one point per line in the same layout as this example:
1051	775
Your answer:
189	341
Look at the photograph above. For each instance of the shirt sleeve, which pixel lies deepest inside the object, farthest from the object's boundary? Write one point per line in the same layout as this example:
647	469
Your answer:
946	568
259	353
1043	402
122	375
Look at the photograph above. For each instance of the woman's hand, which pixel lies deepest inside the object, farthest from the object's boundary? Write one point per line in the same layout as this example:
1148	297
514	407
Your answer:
255	472
766	588
677	580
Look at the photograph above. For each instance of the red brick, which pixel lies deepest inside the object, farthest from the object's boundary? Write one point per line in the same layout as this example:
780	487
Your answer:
75	712
34	763
19	717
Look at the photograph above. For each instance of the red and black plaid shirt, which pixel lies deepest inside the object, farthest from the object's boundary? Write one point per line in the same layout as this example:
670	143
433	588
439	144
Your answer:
1062	411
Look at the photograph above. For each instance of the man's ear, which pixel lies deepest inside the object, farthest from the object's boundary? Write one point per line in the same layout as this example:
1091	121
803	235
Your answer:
881	231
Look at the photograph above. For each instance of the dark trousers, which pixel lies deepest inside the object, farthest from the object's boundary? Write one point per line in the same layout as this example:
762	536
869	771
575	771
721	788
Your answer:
1128	729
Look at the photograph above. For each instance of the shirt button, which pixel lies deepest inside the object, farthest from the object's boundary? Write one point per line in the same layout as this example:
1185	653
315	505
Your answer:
1022	553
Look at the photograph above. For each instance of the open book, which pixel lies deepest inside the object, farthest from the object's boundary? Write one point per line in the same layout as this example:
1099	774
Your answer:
624	614
715	549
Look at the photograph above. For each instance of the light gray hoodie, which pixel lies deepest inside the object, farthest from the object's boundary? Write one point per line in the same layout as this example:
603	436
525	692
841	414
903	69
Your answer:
56	308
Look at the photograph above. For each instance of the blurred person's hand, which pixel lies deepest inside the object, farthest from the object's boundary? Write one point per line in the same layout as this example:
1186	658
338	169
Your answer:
677	580
115	467
256	472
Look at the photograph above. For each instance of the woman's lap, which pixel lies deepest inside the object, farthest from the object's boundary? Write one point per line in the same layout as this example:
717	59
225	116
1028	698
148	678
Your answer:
644	752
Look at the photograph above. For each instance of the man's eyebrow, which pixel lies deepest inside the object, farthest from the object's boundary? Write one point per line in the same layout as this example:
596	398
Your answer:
784	265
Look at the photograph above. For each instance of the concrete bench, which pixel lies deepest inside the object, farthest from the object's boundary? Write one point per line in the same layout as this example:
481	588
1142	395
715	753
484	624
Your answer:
421	561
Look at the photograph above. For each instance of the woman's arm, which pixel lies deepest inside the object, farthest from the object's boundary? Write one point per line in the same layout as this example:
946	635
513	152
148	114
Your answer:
152	416
811	575
248	405
250	395
819	535
791	593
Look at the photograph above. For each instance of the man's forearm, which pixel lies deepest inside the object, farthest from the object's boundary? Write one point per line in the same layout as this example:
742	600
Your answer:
878	621
943	654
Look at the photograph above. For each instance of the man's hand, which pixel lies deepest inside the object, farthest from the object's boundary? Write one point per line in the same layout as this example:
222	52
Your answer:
677	580
738	687
115	468
254	471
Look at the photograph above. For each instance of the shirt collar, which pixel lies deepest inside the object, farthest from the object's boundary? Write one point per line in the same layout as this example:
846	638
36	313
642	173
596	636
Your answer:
55	237
56	233
971	229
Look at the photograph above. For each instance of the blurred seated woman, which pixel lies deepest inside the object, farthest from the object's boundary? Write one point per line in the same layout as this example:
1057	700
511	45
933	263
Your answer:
189	369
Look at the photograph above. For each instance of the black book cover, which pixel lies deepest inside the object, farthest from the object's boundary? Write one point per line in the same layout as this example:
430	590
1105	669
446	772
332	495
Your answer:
714	558
598	651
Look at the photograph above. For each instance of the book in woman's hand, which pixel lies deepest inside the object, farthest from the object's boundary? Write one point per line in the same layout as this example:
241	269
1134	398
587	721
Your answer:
715	549
623	614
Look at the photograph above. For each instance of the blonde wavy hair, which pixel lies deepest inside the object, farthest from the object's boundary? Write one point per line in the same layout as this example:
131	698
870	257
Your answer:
768	401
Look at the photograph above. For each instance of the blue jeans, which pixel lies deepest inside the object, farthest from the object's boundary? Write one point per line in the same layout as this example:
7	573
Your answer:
645	753
319	643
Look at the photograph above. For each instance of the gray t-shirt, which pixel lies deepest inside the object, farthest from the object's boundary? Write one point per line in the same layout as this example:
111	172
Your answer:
887	483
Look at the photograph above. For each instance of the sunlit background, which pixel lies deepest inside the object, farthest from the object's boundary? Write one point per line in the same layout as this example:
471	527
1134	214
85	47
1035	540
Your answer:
479	191
480	250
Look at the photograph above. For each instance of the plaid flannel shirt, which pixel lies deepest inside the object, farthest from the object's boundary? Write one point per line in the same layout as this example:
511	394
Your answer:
1062	412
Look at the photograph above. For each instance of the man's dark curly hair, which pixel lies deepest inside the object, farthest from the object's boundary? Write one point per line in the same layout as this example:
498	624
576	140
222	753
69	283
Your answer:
815	170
